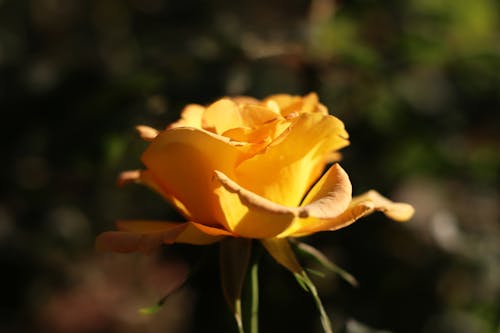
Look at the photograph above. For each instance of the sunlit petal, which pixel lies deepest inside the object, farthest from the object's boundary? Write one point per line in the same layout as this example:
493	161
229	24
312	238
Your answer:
247	214
221	116
397	211
182	161
329	198
287	168
191	116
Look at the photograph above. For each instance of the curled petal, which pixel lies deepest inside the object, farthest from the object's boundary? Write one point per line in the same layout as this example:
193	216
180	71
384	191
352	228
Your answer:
330	196
359	207
250	215
147	236
130	176
147	133
312	225
397	211
247	214
328	199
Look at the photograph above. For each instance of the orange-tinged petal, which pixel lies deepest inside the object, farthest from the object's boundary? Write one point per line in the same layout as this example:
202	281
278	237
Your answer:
360	206
328	198
246	214
249	215
147	236
191	116
397	211
287	168
254	115
283	101
297	104
182	161
221	116
312	225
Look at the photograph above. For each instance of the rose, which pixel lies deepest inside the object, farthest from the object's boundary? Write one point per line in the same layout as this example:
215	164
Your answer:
246	168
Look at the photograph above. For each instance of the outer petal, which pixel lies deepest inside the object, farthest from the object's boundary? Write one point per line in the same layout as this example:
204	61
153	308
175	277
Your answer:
249	215
397	211
182	161
360	206
145	177
147	236
147	133
296	159
328	199
246	214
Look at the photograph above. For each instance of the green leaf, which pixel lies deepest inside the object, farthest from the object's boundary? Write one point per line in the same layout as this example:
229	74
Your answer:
310	287
320	258
282	252
234	261
150	310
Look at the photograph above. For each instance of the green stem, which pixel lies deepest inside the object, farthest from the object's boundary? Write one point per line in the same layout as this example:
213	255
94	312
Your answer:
250	301
254	298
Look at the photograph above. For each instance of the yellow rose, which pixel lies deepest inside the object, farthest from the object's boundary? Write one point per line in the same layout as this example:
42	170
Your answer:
248	168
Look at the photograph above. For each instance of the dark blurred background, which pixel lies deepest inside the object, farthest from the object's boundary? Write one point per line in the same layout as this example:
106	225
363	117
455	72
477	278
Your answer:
417	84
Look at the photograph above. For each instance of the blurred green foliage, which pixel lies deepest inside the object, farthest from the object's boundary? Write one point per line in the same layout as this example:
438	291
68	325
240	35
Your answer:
417	84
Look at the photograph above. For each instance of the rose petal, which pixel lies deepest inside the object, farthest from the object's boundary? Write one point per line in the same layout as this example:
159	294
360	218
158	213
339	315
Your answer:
247	214
191	116
360	206
147	236
182	160
256	115
312	225
296	104
329	198
145	177
397	211
147	133
221	116
288	167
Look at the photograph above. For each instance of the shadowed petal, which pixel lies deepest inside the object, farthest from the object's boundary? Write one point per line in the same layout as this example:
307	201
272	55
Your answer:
281	251
145	177
147	236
